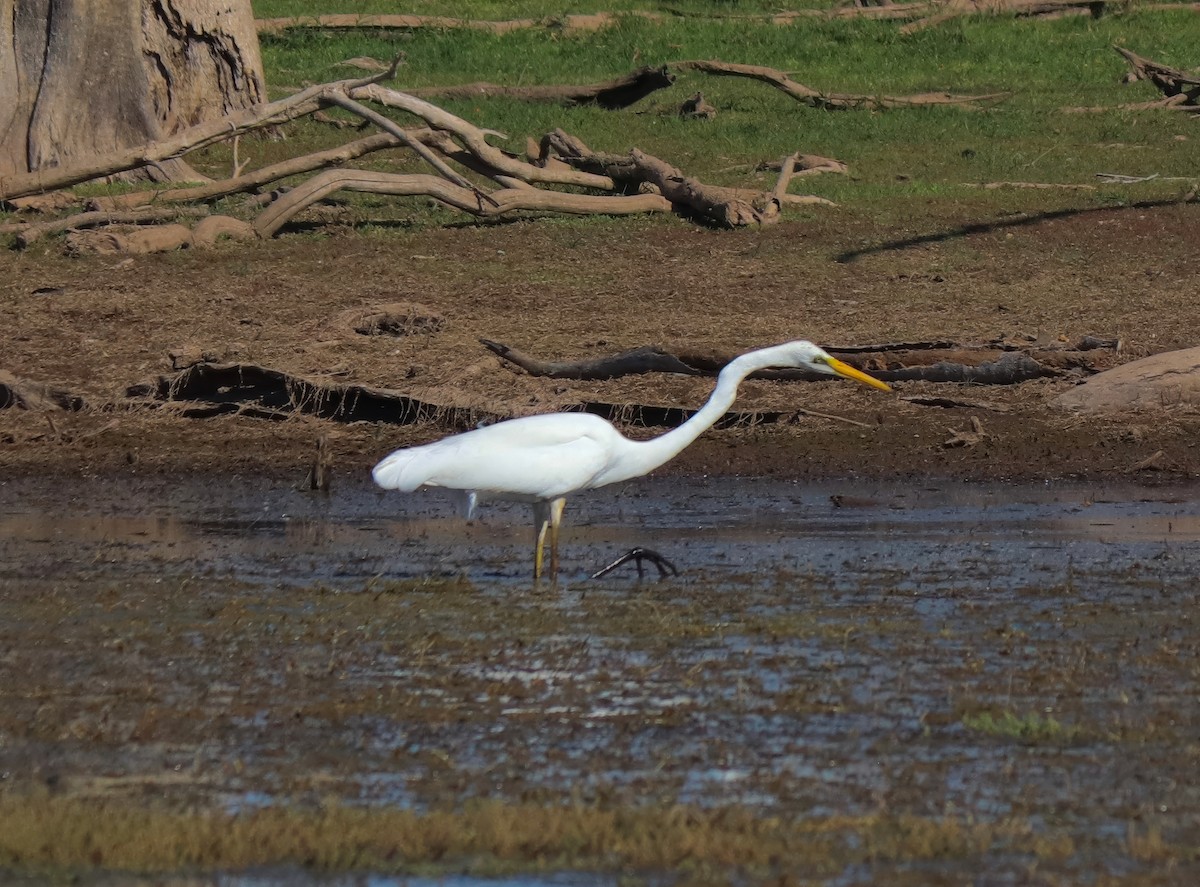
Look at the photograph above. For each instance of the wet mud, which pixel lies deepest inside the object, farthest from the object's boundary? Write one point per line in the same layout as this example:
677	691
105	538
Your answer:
1024	656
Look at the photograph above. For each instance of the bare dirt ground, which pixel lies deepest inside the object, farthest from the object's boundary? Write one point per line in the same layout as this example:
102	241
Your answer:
564	291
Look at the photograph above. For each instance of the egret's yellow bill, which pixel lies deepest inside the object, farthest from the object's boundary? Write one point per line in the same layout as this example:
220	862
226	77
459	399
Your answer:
844	369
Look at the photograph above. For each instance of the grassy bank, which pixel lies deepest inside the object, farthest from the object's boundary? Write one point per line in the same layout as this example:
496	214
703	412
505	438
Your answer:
940	154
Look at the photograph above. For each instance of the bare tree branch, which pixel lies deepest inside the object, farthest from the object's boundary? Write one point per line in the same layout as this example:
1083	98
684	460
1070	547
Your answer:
835	101
251	180
468	200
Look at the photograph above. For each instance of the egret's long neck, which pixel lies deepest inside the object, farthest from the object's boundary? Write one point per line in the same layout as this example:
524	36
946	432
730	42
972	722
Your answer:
644	456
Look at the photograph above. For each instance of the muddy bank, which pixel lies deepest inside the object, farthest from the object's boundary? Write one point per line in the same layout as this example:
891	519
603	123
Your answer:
902	442
95	327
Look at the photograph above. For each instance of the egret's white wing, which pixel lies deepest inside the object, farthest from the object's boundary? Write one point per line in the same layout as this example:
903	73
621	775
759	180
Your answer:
536	457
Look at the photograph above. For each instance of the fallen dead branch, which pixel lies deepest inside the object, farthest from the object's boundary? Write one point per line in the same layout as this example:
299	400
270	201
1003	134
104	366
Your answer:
494	203
27	395
836	101
252	180
1180	90
731	207
156	238
1174	84
1031	186
30	232
202	387
640	360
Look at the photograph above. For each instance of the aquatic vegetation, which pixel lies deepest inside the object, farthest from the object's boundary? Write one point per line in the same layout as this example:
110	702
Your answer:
1027	728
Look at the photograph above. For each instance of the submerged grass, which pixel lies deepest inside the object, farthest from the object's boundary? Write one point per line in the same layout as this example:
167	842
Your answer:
1027	728
46	834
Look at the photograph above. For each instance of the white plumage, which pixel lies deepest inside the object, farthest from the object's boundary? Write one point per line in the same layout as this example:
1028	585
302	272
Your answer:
543	459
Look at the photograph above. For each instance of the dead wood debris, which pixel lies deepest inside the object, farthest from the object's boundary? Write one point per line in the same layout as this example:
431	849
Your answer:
503	183
966	437
836	101
1157	461
1180	90
925	12
1179	87
201	387
204	390
637	361
27	395
998	363
696	107
446	139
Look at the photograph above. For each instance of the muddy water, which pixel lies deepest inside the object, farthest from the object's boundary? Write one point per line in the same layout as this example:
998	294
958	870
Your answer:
825	651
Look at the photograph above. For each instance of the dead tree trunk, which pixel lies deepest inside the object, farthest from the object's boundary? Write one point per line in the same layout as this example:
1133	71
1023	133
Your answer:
76	84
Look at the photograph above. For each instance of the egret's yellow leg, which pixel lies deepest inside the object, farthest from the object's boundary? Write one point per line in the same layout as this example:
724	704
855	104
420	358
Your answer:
546	518
539	543
556	513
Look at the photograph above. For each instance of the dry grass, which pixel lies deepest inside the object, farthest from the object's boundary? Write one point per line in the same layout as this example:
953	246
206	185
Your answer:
45	833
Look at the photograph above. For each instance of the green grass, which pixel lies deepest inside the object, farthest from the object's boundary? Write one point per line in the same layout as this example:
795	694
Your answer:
895	157
1028	728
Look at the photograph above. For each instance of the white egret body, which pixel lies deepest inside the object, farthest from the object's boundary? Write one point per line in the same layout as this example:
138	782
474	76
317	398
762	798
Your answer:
543	459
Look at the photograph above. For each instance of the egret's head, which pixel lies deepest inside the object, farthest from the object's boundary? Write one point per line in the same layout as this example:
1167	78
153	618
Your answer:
812	357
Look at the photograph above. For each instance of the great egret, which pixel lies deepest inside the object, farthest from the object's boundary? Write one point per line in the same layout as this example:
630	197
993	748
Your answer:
543	459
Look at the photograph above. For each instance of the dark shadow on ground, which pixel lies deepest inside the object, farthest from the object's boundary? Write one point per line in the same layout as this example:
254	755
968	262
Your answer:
995	225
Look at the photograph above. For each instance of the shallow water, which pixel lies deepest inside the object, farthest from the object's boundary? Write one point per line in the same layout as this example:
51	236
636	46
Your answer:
826	651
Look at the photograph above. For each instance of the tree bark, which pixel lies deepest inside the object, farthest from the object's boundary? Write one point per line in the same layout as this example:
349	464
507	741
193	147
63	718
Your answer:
75	84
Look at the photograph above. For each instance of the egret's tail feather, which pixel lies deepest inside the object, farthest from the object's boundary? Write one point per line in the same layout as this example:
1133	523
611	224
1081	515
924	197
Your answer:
395	472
